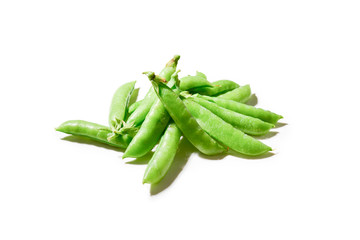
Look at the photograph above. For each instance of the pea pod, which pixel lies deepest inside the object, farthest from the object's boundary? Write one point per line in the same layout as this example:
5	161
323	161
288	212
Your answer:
189	82
153	126
134	106
249	125
149	133
224	132
94	131
185	121
245	109
240	94
170	68
164	155
119	105
219	87
138	116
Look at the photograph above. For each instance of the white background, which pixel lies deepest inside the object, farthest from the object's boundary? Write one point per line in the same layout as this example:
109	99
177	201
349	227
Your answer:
62	60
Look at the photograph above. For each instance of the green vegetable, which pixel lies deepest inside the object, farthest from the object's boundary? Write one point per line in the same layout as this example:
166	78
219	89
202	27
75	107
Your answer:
185	121
138	116
94	131
134	106
242	108
119	105
212	116
240	94
153	126
218	87
189	82
164	155
249	125
149	133
224	132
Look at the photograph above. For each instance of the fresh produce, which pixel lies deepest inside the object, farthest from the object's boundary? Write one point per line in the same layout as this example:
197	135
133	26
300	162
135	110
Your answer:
134	106
119	107
138	116
224	132
164	155
241	94
217	87
185	121
248	125
94	131
150	131
212	116
245	109
191	82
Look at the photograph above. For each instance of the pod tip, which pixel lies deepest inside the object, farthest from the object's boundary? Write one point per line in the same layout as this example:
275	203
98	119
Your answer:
149	74
173	62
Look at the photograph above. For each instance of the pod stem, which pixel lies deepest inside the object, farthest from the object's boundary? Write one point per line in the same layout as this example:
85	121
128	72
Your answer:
153	77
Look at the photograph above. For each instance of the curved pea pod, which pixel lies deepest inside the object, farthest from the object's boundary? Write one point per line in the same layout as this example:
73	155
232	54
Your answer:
164	155
134	106
149	132
248	125
152	128
93	131
189	82
240	94
139	114
224	132
245	109
185	121
170	68
119	105
218	87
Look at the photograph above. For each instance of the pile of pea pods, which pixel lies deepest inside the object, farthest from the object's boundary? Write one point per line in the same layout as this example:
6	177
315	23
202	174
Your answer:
212	116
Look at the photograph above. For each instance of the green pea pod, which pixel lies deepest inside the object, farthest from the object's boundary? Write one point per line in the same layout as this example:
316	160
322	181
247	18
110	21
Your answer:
134	106
185	121
224	132
219	87
189	82
149	133
170	68
248	125
164	155
138	116
94	131
240	94
200	74
119	105
245	109
152	128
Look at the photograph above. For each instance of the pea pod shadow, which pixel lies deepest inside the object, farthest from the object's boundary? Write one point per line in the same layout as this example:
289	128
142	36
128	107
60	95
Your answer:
141	160
213	157
262	156
266	136
182	156
280	124
236	154
89	141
